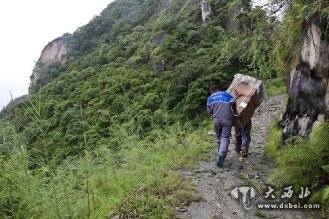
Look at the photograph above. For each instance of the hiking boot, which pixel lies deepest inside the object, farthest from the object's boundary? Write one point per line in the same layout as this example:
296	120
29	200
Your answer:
220	161
245	152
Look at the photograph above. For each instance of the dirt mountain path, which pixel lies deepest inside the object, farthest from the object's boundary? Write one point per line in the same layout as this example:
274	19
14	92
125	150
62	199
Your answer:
214	185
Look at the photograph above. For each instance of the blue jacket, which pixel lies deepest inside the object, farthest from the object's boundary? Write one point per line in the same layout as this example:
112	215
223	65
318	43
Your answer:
219	105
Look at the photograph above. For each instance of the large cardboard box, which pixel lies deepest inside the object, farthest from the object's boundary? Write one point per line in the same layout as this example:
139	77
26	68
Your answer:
248	93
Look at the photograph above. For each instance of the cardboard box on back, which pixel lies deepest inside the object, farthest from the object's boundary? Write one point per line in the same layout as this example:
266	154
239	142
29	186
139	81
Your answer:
248	93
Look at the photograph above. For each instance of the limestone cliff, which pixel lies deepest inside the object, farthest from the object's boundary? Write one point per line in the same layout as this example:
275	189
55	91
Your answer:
309	89
55	53
206	11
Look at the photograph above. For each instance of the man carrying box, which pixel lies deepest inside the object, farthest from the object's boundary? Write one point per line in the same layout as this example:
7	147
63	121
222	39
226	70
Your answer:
219	106
249	93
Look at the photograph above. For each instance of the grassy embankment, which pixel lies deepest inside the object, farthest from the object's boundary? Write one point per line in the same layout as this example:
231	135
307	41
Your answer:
302	163
138	181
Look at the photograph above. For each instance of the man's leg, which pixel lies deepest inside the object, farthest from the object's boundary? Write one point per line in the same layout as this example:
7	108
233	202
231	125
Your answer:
246	138
238	139
225	141
225	138
218	131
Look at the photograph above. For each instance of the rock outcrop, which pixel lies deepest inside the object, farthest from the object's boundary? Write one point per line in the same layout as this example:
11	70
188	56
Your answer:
55	53
206	11
309	88
157	66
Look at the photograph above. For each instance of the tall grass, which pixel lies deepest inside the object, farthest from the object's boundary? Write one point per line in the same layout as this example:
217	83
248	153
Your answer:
304	163
274	140
136	181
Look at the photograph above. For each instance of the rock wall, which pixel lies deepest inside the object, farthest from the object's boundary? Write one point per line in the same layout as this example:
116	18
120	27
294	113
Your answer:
55	53
206	11
157	66
309	89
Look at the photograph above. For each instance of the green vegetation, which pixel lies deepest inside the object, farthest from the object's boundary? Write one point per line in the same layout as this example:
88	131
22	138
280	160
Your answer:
137	181
103	134
290	37
276	86
274	140
303	163
141	71
300	162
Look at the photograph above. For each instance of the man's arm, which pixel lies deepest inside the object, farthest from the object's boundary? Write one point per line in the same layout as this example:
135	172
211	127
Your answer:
210	110
209	107
232	102
233	105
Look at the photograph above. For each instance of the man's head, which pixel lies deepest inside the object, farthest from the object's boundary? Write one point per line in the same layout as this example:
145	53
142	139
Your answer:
214	88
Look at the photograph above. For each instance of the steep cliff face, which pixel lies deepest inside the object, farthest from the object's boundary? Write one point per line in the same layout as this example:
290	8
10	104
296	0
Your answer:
157	66
55	53
206	11
309	89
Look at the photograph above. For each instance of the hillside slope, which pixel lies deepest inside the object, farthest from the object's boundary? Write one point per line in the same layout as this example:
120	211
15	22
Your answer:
139	64
115	108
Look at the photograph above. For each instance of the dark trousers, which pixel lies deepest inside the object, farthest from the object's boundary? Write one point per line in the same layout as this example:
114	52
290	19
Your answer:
223	129
242	137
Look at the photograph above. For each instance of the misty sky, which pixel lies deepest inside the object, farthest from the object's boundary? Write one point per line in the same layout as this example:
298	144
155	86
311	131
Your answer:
26	27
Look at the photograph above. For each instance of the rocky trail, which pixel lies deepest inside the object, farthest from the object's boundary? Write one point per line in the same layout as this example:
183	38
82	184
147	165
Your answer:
214	185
